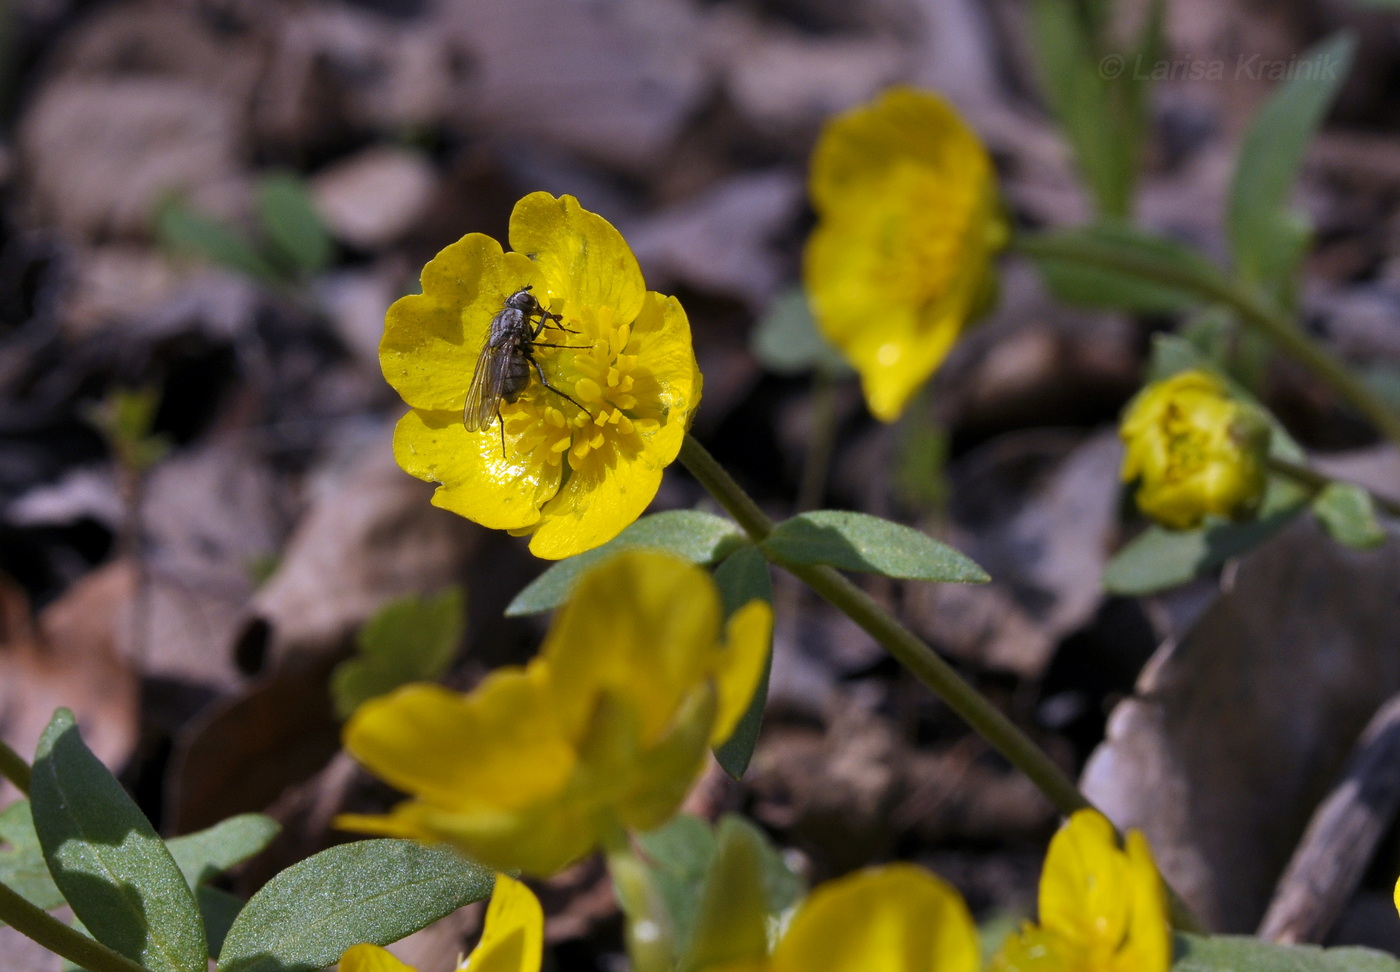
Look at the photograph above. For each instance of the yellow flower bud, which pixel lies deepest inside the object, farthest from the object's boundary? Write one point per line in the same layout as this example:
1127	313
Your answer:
1194	451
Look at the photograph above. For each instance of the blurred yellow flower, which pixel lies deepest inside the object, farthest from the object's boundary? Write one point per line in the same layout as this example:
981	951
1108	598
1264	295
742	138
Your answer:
512	939
573	472
1102	908
1194	451
605	730
908	222
897	918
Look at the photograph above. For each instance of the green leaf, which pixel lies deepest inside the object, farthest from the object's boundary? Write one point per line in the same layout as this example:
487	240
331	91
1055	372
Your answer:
375	891
701	538
409	640
187	232
786	340
1231	953
1266	239
678	854
1348	513
22	866
107	860
858	541
1123	268
741	578
203	855
219	909
1099	98
292	225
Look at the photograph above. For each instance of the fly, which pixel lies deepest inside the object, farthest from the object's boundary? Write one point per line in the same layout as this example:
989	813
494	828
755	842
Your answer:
503	367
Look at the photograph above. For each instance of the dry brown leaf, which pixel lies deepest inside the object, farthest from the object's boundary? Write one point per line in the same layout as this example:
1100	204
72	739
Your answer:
1236	732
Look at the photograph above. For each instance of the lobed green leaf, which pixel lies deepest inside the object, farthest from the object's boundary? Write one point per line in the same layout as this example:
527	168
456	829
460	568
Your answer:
860	542
112	867
743	577
693	535
409	640
375	891
786	340
187	232
1348	514
293	227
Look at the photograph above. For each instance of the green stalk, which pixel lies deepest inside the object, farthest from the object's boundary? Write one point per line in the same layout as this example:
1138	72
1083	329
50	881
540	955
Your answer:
1259	314
907	648
1318	481
42	927
14	768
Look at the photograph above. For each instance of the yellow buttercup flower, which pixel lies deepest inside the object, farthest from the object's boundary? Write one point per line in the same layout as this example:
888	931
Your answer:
1102	907
512	939
605	730
1194	450
908	223
578	463
897	918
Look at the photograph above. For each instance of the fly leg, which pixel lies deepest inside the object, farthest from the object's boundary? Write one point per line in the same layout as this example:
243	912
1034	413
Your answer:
501	419
556	391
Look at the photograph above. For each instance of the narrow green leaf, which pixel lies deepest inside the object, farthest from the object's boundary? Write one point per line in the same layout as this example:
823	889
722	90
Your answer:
1266	239
409	640
1348	513
741	578
1122	268
113	869
187	232
375	891
204	855
22	865
858	541
1230	953
292	225
701	538
786	340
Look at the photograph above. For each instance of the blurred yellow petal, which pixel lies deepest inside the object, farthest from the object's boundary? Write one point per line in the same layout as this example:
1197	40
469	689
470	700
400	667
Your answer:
897	918
502	492
513	937
747	638
371	958
431	340
1149	943
582	259
908	222
430	741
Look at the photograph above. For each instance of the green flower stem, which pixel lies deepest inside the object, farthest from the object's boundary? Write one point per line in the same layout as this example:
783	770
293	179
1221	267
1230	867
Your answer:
54	935
14	768
1259	314
821	438
925	664
1318	481
650	938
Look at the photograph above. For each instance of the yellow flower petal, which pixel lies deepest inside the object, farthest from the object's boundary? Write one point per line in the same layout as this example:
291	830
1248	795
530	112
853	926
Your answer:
1149	945
502	492
513	937
582	259
432	340
654	653
371	958
747	637
897	918
908	221
428	740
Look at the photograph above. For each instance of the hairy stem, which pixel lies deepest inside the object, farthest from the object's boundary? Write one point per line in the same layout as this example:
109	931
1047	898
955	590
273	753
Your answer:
911	651
54	935
1253	310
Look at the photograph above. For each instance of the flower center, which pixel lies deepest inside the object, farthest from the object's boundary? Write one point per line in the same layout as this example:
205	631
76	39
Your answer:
612	401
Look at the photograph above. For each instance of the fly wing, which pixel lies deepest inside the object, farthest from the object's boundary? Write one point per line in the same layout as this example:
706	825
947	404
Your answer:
484	394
